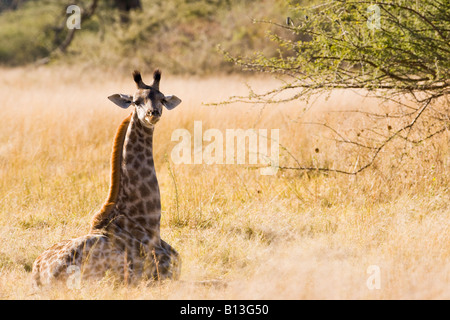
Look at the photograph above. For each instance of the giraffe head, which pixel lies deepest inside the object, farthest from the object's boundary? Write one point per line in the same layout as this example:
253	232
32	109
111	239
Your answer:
147	100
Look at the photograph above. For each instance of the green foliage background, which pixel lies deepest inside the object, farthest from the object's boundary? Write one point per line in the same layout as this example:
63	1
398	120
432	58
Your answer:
180	35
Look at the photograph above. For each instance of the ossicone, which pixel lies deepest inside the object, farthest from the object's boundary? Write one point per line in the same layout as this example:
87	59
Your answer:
138	79
156	79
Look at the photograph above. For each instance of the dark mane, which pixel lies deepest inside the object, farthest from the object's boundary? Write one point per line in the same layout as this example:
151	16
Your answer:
100	219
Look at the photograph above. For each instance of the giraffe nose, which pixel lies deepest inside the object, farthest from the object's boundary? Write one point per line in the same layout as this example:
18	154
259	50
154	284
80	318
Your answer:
153	113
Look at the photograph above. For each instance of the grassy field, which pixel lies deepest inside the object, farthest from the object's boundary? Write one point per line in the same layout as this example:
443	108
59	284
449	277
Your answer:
289	236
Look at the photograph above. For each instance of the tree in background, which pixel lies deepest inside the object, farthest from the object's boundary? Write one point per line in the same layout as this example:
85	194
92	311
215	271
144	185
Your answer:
397	51
124	7
38	31
10	4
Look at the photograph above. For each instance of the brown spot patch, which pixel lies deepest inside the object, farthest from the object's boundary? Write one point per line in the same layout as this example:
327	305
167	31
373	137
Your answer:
144	190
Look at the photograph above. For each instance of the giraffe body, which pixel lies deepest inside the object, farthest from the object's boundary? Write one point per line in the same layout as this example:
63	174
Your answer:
95	254
125	234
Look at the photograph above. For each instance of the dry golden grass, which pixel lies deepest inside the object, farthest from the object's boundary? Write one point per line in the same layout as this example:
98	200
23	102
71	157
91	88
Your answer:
289	236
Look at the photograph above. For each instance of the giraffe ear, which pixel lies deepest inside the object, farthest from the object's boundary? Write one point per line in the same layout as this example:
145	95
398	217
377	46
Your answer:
171	102
122	100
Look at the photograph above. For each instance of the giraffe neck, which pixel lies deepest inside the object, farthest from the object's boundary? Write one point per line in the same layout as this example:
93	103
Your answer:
135	208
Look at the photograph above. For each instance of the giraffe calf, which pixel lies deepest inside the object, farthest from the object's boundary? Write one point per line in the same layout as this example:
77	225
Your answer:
125	234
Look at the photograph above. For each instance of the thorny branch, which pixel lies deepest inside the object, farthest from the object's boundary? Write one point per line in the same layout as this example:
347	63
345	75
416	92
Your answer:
405	59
